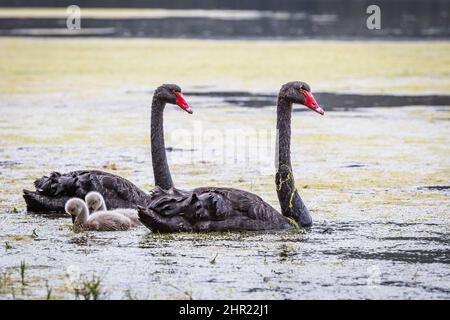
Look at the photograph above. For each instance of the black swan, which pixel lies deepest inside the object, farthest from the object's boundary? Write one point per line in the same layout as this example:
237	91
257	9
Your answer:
97	221
95	202
227	209
54	191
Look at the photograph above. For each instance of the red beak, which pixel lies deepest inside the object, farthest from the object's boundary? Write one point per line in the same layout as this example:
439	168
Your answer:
181	102
311	103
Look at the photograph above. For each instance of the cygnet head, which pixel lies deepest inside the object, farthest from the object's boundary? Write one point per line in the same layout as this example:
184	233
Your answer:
74	207
94	200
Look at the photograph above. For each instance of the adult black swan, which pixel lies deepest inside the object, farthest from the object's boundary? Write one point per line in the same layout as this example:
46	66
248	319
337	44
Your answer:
227	209
54	191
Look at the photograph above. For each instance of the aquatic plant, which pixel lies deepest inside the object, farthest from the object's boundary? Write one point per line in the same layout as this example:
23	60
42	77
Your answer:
213	261
22	269
34	234
188	294
294	223
130	295
5	280
90	289
49	290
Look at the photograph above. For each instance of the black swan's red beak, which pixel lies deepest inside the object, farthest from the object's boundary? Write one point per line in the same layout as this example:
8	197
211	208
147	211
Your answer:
181	102
311	103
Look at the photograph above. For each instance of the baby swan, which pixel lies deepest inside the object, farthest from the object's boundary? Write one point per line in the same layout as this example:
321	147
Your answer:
98	221
94	200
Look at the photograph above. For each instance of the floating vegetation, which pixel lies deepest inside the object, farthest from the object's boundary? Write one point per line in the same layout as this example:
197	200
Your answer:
406	66
20	238
396	201
294	223
110	166
8	245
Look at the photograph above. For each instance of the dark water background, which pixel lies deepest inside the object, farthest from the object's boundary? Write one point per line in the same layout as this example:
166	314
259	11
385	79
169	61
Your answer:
323	19
333	101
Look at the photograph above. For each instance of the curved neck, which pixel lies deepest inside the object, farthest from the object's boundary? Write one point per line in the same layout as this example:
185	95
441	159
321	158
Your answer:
82	218
291	203
103	206
161	170
284	112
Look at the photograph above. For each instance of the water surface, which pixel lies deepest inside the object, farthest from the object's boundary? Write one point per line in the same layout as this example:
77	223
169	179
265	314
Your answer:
375	179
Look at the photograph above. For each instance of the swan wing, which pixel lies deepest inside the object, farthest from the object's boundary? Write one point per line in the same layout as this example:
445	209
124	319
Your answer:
52	191
131	214
211	209
108	221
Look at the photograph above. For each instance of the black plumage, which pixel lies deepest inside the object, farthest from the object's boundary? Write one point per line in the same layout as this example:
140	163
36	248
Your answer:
228	209
53	191
210	209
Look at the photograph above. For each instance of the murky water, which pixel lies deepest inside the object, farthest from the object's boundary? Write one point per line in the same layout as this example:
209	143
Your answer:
379	231
321	19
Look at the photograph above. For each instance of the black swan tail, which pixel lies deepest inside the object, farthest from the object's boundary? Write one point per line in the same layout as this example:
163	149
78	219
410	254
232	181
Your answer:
44	183
50	195
54	190
37	202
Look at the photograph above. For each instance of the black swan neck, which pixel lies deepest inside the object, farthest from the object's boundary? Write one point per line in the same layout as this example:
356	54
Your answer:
284	112
291	203
161	170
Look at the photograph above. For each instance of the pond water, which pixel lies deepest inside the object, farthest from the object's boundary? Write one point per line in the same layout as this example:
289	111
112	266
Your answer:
321	19
367	174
